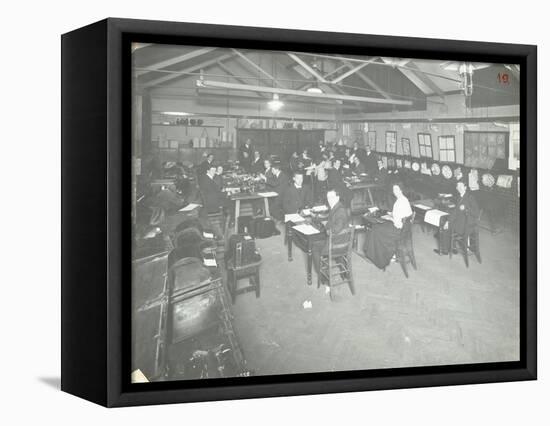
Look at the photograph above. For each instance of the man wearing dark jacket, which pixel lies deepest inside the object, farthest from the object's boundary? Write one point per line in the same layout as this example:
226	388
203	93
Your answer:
275	180
297	196
338	220
463	219
257	165
370	162
335	181
246	152
212	196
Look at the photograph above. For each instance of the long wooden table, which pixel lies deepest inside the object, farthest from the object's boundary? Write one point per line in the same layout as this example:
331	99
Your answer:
237	198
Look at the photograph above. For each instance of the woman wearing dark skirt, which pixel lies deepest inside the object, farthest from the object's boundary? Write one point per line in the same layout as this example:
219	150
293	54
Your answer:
381	241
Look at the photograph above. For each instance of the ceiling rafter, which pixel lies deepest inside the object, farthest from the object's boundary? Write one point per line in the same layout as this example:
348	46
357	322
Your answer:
248	87
190	69
175	60
307	67
256	66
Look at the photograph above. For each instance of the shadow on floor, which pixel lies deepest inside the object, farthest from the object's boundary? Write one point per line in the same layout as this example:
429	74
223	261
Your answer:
54	382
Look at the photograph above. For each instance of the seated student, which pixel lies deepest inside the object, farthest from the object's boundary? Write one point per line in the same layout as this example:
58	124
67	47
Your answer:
338	220
380	242
257	165
218	178
463	219
168	199
212	196
335	180
297	196
358	168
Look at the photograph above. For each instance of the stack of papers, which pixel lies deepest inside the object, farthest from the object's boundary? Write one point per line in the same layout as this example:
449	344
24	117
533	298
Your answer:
387	217
445	195
433	217
318	209
422	206
294	217
208	235
306	229
268	194
210	262
189	207
306	212
373	209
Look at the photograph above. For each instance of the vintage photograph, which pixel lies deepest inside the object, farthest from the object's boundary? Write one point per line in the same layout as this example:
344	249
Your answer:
298	212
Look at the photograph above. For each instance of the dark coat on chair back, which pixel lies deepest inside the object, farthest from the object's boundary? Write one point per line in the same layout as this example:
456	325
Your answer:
338	219
295	199
459	218
212	196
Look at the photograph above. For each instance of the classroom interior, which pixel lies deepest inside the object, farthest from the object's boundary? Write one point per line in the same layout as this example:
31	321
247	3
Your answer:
225	279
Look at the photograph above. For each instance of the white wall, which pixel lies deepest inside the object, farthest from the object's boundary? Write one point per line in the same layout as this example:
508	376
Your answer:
30	178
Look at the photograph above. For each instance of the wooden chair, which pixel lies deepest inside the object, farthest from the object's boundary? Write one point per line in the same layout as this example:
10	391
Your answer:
236	273
338	262
404	251
467	242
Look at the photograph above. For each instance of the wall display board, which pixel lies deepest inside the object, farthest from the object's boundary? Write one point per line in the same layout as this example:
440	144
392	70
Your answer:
482	149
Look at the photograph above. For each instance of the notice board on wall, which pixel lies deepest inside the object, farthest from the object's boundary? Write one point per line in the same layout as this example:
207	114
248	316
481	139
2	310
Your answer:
482	149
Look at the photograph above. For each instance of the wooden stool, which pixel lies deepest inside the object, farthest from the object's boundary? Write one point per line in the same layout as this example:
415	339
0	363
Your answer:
236	273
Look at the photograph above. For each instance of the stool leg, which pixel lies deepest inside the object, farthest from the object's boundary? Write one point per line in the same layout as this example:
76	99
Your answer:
257	279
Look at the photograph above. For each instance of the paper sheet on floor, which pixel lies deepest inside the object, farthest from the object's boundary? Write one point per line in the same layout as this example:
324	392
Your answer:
433	217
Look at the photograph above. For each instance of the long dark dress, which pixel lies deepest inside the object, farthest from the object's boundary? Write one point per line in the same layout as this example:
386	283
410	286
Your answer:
380	243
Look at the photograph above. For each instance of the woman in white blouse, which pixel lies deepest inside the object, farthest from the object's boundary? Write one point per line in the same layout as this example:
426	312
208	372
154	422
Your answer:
381	241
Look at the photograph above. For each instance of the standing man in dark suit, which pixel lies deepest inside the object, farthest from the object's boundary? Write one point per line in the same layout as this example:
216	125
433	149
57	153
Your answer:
276	181
257	165
370	162
209	160
246	152
463	219
358	152
338	220
297	196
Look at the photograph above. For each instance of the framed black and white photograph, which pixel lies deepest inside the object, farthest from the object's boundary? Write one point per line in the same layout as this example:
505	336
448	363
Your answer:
261	240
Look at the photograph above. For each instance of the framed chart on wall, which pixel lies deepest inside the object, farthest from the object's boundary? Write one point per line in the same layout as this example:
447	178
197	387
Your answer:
391	141
406	143
371	139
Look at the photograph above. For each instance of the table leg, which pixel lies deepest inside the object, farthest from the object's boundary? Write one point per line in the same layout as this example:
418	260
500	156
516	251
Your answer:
309	262
237	211
266	205
289	243
370	197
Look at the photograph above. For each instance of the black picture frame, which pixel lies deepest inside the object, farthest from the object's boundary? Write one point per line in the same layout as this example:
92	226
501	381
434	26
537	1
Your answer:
96	232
